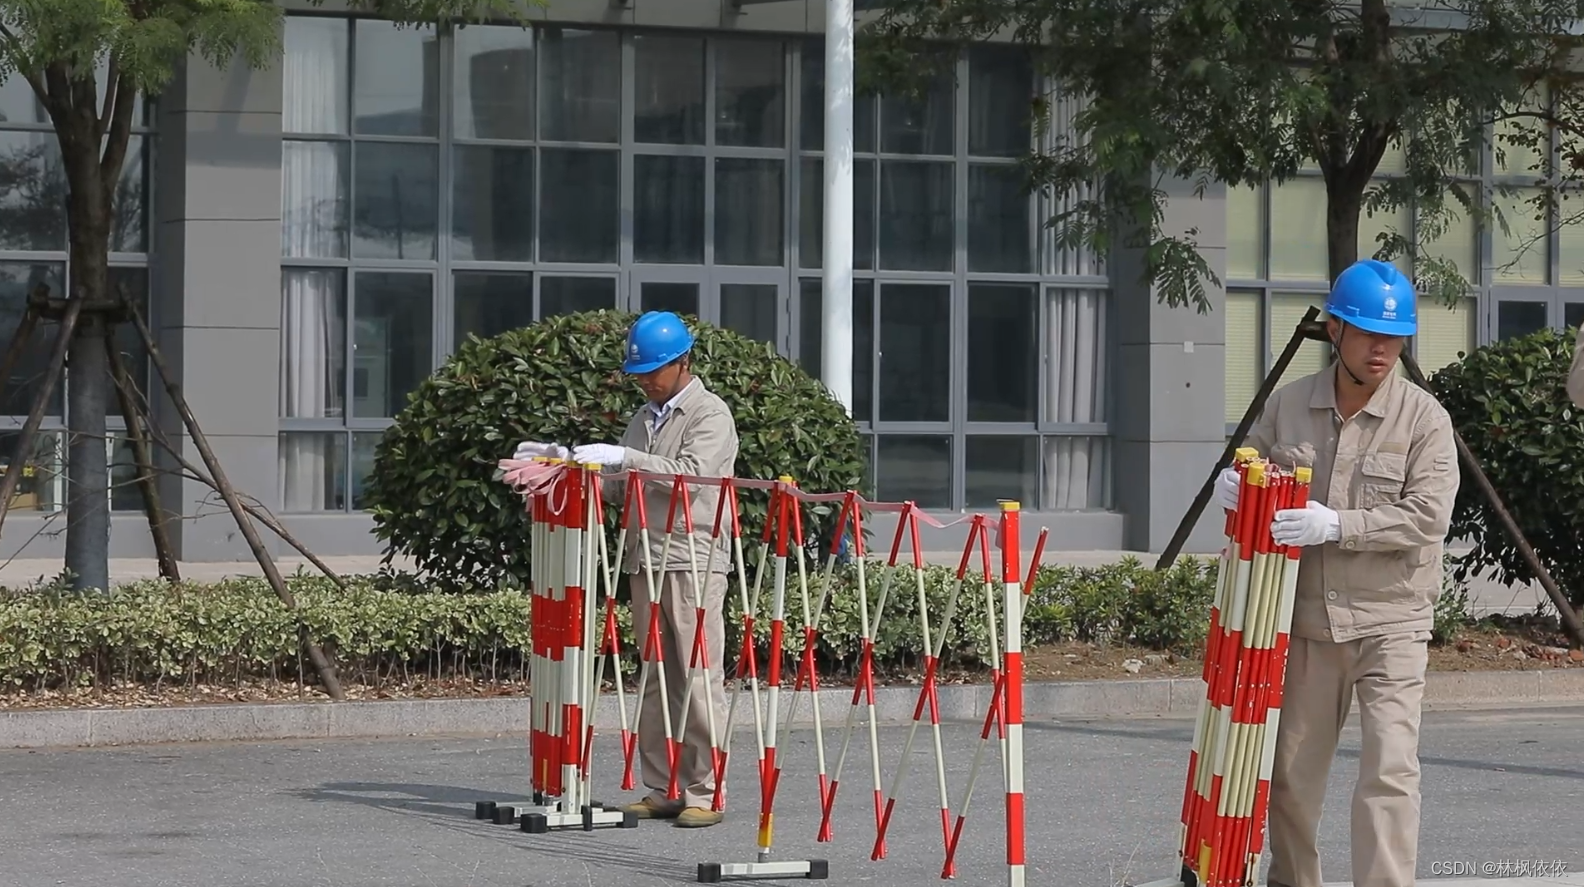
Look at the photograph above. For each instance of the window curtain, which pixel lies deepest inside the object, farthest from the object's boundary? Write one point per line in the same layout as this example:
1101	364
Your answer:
313	332
1077	469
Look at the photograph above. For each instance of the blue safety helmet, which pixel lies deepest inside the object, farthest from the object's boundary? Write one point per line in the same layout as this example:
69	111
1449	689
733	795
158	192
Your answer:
1375	297
656	339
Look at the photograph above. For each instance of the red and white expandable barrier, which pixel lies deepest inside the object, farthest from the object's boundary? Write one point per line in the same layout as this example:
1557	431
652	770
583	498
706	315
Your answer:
571	562
1226	798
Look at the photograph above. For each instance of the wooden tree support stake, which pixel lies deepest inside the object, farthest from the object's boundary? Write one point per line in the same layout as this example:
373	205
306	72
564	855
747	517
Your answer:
163	549
239	512
35	417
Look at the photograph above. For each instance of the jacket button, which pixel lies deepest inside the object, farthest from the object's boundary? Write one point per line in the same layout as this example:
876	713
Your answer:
1331	595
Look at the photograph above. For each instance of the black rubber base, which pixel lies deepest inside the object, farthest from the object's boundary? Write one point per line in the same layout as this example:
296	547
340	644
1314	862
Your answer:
629	819
709	873
505	815
535	824
819	870
483	809
1188	876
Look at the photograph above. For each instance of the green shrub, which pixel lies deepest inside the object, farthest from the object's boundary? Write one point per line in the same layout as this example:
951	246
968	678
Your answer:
433	491
1508	401
1453	612
223	634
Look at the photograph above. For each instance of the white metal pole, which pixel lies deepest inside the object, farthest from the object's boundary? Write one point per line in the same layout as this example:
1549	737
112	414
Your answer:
836	322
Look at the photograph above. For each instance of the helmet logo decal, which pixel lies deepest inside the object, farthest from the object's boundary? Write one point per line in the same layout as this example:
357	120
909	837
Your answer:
1389	308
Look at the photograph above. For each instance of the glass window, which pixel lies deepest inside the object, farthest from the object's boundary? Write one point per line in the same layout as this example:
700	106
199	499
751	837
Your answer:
813	107
1520	317
1519	145
1003	352
748	212
916	216
486	304
42	486
395	204
129	203
579	208
1457	243
1000	102
1521	253
750	93
313	468
314	186
915	352
811	338
392	345
571	295
918	125
33	193
1570	245
1444	332
313	343
811	218
916	468
492	203
682	298
1000	220
580	85
131	283
1077	368
492	88
394	82
669	89
363	448
1298	230
668	209
1245	232
125	494
1397	222
1245	359
313	76
750	309
999	468
1286	310
17	280
1076	473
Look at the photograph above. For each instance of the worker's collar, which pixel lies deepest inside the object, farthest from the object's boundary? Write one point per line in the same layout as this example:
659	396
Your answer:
1324	396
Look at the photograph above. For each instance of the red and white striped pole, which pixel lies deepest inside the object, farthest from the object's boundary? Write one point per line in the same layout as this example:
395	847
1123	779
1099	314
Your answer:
1011	579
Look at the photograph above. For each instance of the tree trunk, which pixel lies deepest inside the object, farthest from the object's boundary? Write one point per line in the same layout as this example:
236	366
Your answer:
88	383
1343	205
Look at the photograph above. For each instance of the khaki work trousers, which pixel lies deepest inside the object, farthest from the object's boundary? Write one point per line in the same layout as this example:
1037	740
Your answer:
678	618
1388	674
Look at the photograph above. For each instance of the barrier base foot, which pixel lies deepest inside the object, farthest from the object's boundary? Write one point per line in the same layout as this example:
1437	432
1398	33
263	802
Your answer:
1165	882
504	814
715	872
588	819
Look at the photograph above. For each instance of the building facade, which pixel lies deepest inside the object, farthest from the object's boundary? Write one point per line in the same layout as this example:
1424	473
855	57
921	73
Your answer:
314	238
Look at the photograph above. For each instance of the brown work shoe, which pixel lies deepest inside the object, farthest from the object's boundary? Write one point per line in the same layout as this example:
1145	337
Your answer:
698	817
649	808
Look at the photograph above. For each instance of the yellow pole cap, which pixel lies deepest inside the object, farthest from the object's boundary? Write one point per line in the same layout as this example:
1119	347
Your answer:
1303	473
1256	473
1010	505
785	478
592	466
1245	454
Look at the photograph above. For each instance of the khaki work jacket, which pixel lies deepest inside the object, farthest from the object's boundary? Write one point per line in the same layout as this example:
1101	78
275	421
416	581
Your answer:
1575	379
1391	474
698	437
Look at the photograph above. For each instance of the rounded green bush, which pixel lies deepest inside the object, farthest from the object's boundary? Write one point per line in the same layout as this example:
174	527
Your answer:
1509	402
433	489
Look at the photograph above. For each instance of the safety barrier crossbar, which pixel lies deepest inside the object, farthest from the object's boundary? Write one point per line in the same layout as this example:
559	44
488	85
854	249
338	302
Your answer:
1226	798
574	638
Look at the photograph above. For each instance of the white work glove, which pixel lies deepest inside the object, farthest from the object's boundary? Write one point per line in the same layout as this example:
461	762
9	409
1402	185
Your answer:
1227	489
600	454
1302	527
529	449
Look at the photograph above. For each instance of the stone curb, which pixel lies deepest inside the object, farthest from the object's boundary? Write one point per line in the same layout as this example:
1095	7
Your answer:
94	727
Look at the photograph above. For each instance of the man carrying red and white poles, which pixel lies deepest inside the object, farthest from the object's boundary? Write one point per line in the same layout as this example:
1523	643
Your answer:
1385	475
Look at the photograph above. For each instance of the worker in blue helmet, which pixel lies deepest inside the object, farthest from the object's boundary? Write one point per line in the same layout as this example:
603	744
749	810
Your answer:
682	429
1385	476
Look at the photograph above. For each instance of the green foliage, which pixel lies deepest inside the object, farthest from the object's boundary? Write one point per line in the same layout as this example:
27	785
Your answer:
1241	91
1452	610
1509	401
222	634
433	491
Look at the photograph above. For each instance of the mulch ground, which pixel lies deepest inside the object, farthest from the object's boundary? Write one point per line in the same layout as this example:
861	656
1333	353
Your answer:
1497	644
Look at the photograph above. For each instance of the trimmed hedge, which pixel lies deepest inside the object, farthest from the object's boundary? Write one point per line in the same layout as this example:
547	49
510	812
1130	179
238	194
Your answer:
379	630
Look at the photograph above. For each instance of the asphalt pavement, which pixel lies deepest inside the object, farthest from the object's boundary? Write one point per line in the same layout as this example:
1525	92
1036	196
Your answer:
1103	799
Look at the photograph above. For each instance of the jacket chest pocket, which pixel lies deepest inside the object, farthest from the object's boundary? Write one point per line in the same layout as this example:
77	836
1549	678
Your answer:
1382	477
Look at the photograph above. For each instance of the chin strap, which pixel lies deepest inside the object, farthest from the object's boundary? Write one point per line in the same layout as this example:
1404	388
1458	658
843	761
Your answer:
1342	363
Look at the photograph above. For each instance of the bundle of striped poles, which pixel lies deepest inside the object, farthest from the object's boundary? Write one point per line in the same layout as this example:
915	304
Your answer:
1229	767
